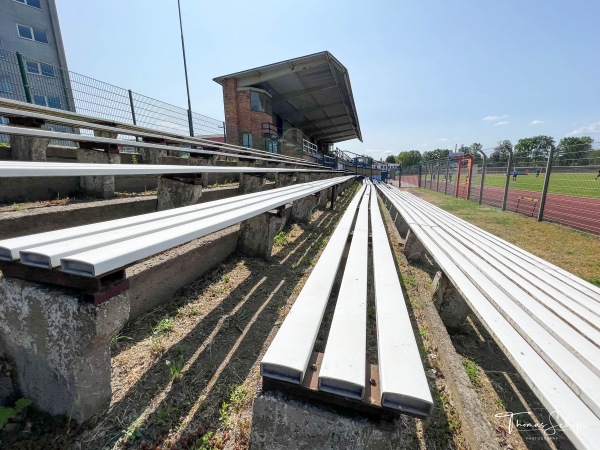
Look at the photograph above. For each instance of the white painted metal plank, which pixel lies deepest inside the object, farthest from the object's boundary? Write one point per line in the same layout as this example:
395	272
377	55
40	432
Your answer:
10	248
52	169
14	108
401	375
552	391
288	355
105	259
343	367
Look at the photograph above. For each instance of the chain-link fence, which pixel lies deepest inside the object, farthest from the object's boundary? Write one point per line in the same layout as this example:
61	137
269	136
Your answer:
567	191
29	80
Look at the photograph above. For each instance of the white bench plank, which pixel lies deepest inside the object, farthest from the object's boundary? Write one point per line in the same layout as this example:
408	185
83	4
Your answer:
344	362
54	169
50	255
401	375
105	259
10	248
288	355
552	390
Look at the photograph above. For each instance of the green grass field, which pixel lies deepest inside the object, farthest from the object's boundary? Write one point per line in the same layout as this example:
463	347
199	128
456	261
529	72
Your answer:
576	184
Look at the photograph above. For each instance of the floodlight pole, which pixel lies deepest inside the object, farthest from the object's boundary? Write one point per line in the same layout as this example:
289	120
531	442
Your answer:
187	84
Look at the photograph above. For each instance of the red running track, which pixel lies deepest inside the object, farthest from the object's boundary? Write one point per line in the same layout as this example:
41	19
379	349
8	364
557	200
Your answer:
581	213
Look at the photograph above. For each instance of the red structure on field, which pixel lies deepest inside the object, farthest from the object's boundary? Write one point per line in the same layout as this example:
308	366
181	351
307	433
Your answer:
467	185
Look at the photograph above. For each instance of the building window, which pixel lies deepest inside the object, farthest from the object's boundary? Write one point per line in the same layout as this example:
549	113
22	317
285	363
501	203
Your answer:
32	34
2	51
260	102
6	85
247	140
38	68
49	101
34	3
271	145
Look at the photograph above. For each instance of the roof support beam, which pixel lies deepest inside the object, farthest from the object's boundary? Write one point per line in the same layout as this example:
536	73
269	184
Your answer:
324	119
291	95
309	110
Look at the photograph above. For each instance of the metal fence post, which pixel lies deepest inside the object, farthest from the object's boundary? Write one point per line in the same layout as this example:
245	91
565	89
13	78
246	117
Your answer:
132	108
546	182
431	178
191	123
508	167
400	176
24	78
420	173
437	187
482	176
447	173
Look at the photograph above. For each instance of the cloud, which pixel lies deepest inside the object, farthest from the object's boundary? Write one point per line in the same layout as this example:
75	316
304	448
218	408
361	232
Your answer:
536	122
389	152
494	118
500	123
423	145
592	128
442	140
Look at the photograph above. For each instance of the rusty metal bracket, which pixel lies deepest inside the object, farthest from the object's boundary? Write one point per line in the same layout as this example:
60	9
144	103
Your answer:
369	406
95	290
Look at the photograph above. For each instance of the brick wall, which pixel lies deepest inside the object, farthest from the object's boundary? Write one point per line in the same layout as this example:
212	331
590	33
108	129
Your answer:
239	118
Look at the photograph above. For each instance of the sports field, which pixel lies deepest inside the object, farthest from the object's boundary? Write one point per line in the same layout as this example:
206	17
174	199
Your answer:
575	184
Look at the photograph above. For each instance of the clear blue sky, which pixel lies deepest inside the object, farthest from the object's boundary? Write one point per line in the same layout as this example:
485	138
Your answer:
425	73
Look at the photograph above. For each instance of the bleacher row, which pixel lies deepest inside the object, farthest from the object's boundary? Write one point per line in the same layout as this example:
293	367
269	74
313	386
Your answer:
545	320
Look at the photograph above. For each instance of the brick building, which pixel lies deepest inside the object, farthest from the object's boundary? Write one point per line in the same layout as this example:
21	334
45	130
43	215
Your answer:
298	107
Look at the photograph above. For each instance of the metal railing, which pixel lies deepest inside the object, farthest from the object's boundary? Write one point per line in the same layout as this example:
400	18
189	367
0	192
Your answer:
559	184
33	81
309	147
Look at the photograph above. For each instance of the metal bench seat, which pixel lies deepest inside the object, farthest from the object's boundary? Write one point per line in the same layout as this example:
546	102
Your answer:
341	371
94	250
55	169
546	325
12	108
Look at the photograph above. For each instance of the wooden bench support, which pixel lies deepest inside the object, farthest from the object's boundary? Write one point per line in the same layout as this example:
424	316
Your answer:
257	233
60	345
451	306
175	192
413	248
98	186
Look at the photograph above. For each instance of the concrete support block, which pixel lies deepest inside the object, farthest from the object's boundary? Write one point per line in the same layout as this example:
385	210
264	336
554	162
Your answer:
60	345
413	249
285	179
305	177
251	183
151	155
207	178
450	304
24	148
280	423
106	134
302	209
257	234
273	176
98	186
173	193
401	225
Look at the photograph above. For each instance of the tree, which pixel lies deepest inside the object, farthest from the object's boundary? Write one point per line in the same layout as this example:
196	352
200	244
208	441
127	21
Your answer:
409	159
391	159
435	155
501	153
533	150
574	151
